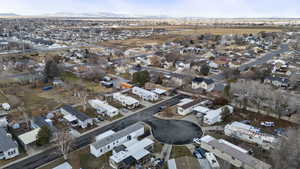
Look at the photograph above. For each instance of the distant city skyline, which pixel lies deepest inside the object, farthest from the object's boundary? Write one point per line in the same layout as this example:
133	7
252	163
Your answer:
173	8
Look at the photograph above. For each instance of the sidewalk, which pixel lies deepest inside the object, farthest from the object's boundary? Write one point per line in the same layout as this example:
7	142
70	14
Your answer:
166	152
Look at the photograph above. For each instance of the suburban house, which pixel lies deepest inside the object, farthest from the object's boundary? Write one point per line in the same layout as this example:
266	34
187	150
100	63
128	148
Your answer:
126	101
145	94
213	116
277	81
182	64
203	83
104	108
131	153
231	154
76	117
39	121
109	140
187	108
250	134
8	147
28	139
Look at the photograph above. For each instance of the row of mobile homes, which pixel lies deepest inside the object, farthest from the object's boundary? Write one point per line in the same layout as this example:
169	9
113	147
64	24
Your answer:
214	116
8	147
131	153
230	154
104	108
184	109
126	101
75	117
109	141
145	94
250	134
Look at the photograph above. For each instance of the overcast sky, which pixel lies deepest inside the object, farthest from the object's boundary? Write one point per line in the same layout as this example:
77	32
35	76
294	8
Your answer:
177	8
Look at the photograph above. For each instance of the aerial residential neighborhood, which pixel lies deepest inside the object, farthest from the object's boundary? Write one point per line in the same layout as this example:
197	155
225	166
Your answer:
156	85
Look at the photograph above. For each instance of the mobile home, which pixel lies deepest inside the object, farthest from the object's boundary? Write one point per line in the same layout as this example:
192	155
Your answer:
145	94
104	108
126	101
107	143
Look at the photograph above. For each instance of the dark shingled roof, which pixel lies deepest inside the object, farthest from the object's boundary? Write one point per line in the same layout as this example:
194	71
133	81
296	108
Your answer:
200	80
6	142
80	115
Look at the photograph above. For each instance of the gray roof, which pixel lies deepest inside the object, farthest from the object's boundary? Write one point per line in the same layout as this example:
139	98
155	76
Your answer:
6	142
245	158
122	133
80	115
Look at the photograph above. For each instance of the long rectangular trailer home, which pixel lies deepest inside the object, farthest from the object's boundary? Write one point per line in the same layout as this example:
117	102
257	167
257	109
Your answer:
104	108
107	142
250	134
145	94
230	154
126	101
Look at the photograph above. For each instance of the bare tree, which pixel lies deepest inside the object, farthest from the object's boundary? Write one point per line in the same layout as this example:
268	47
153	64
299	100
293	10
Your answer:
64	141
287	154
240	91
155	60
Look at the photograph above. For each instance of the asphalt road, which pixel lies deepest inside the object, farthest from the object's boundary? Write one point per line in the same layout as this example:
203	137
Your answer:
176	132
52	154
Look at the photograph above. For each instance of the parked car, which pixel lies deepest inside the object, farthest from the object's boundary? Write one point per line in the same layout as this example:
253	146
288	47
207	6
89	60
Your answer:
267	124
199	153
246	121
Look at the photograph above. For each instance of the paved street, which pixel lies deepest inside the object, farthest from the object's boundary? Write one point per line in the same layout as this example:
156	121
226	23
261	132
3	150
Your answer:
51	154
176	132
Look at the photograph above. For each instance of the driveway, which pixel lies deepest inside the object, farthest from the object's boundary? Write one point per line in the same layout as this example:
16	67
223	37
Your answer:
176	132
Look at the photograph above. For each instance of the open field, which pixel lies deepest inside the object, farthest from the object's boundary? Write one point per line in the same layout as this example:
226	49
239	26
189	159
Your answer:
223	31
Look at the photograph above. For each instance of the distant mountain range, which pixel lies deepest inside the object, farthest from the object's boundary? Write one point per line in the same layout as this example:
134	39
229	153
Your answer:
100	15
8	14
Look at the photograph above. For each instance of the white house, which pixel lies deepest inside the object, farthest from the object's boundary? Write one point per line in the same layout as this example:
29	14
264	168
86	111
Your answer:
8	147
203	83
29	138
250	134
233	156
145	94
187	108
108	142
134	151
213	116
104	108
126	101
76	117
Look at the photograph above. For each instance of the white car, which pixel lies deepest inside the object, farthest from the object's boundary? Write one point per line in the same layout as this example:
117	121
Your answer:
267	124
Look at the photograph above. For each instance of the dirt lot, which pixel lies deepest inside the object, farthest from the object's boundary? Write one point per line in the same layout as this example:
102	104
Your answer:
36	101
223	31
